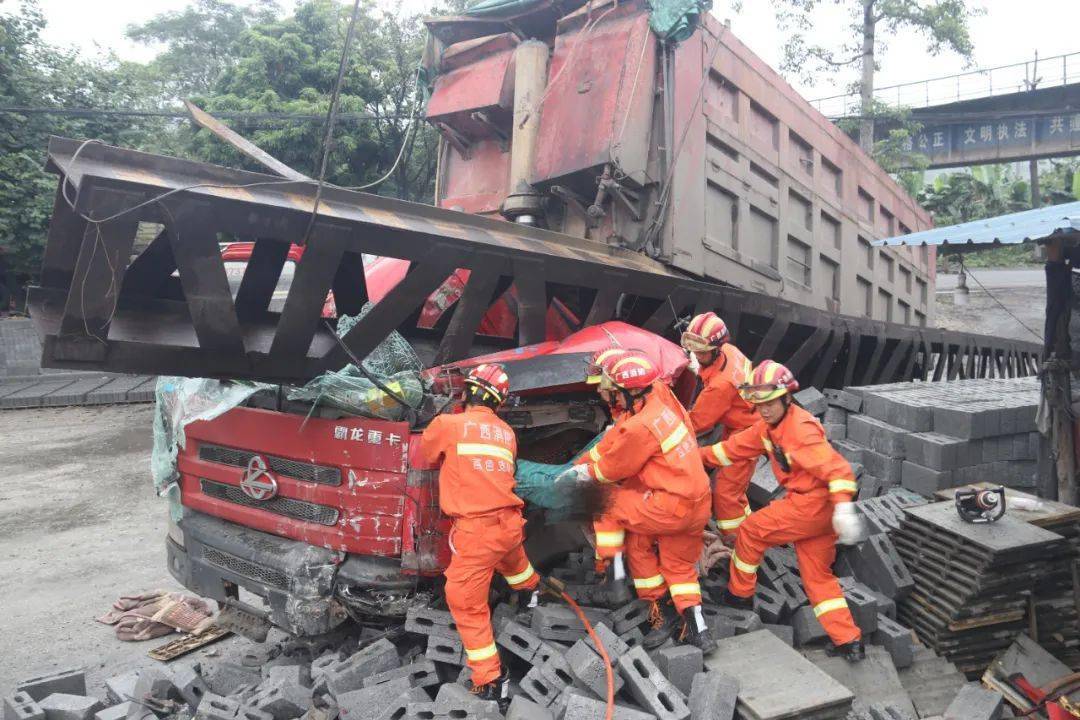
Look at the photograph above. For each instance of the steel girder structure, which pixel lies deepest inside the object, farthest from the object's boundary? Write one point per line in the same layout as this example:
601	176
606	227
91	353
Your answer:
170	309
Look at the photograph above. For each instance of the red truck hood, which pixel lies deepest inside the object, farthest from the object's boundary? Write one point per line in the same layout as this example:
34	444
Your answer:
561	363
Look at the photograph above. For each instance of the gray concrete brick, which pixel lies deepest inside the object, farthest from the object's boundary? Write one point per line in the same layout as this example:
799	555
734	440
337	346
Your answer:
812	400
852	452
849	401
974	702
116	390
419	674
75	393
876	564
348	674
892	409
713	696
835	431
589	670
71	682
877	435
286	701
426	621
579	707
895	638
121	688
784	632
216	707
863	607
889	469
225	678
522	709
924	480
934	450
21	706
369	703
116	712
556	622
614	645
835	415
542	688
808	629
62	706
189	682
247	712
680	664
770	605
741	621
445	650
648	686
520	640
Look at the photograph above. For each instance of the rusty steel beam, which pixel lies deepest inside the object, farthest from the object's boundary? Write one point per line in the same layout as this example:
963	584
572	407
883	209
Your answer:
96	310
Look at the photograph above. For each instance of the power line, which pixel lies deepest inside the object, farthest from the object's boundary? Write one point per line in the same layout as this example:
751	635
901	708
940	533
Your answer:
1000	304
256	116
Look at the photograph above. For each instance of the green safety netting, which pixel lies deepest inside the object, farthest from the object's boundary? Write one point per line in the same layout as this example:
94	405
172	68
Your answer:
675	20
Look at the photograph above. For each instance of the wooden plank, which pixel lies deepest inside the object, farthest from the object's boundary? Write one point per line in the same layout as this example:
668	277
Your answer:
303	307
469	312
261	276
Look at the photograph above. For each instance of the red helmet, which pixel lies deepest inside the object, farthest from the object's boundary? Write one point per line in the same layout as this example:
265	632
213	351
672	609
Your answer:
492	378
632	370
769	381
595	367
705	332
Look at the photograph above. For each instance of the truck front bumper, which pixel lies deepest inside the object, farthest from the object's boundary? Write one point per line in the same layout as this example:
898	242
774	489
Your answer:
294	579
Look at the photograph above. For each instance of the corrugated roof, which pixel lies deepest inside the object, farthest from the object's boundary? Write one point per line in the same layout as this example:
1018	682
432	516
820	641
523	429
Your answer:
1004	229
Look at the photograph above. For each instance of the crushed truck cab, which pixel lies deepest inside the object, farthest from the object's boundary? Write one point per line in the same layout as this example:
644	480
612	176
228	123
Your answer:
327	516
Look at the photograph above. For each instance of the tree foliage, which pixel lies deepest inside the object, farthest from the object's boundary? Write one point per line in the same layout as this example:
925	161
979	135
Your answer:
943	24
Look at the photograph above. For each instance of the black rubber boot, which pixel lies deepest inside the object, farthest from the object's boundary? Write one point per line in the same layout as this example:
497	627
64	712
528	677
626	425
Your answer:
665	621
852	652
613	593
731	600
497	690
526	600
695	631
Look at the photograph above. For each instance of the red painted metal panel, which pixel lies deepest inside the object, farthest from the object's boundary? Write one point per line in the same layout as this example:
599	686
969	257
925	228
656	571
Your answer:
593	101
476	184
371	455
486	84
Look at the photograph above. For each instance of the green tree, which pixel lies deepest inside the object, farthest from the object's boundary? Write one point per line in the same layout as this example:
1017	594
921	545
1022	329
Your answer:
986	191
32	73
944	24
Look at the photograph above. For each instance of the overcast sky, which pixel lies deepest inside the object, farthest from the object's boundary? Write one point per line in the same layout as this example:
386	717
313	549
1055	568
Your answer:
1011	31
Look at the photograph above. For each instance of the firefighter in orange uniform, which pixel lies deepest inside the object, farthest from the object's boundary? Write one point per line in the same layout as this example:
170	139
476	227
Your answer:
816	513
723	369
476	489
664	503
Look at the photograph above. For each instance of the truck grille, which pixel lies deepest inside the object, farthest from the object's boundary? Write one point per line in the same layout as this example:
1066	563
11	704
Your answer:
244	568
299	470
296	509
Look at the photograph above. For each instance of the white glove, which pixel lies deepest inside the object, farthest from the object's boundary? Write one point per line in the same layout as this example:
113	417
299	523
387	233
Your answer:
848	524
694	366
576	473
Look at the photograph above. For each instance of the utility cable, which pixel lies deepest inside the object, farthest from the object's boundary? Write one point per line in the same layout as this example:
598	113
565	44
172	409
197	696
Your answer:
404	139
1009	312
331	119
555	587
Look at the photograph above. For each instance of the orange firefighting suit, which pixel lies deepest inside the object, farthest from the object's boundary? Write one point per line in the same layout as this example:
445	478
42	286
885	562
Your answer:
719	402
815	477
663	506
476	489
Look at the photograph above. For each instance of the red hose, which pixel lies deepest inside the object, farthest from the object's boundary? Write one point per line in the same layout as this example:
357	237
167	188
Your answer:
610	712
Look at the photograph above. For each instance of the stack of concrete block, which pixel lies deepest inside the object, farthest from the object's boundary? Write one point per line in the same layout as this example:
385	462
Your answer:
930	436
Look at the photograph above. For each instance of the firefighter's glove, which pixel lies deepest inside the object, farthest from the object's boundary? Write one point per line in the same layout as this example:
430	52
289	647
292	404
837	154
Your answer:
576	474
848	524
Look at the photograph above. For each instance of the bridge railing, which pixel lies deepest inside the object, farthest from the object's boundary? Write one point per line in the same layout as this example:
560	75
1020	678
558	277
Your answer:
985	82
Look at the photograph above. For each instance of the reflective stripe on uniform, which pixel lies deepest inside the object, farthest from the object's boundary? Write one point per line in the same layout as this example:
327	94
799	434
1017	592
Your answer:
599	475
594	454
521	576
842	485
733	523
743	566
721	455
483	449
672	441
767	443
611	538
648	583
481	653
684	589
829	605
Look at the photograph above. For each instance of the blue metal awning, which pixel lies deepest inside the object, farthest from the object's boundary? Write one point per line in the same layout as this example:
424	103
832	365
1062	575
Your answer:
1009	229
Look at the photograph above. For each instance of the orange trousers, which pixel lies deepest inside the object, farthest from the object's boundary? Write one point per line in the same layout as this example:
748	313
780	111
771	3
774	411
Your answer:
482	546
730	506
663	536
805	520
